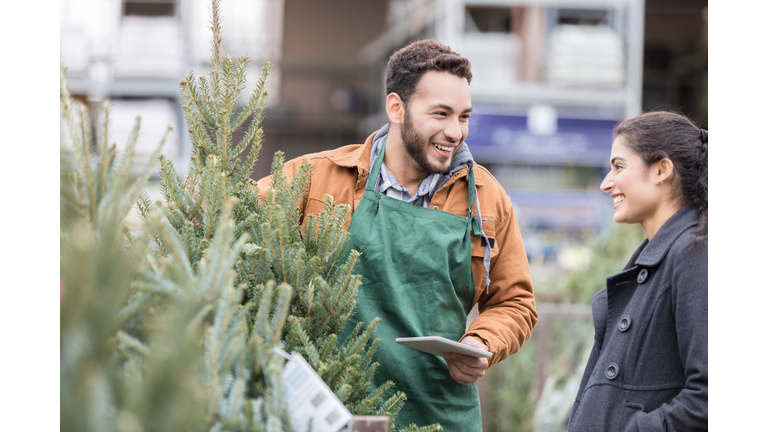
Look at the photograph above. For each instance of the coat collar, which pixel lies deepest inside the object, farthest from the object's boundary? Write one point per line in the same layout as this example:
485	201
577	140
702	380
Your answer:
657	248
360	159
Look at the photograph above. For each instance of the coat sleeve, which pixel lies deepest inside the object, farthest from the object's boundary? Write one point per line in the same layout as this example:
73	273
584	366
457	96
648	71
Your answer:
507	313
688	410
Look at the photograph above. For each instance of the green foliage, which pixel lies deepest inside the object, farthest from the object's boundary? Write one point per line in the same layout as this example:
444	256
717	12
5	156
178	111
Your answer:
147	342
508	391
173	327
611	250
512	401
570	343
270	246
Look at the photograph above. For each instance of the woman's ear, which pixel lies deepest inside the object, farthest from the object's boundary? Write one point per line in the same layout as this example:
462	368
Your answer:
395	109
664	170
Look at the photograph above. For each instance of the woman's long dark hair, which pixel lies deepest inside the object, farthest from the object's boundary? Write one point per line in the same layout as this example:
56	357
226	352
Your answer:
661	134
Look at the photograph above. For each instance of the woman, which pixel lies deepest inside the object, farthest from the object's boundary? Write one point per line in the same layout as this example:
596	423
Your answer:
648	366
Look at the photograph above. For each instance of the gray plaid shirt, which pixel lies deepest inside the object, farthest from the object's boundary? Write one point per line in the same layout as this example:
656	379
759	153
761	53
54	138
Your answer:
389	186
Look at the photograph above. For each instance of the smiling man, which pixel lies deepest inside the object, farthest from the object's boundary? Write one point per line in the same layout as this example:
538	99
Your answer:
437	234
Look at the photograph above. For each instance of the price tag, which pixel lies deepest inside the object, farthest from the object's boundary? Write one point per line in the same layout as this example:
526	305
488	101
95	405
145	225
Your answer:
309	398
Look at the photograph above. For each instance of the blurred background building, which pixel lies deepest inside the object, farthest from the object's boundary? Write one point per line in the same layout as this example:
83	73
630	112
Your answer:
551	80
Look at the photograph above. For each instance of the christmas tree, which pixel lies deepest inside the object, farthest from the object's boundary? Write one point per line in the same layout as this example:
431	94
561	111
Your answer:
148	343
173	328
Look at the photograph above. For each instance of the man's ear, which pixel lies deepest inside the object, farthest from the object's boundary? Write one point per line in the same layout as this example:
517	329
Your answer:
395	109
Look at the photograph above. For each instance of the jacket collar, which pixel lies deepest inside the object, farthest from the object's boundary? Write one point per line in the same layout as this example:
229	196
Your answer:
657	248
360	159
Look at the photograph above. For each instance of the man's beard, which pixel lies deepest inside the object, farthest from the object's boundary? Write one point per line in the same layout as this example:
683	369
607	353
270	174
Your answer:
417	147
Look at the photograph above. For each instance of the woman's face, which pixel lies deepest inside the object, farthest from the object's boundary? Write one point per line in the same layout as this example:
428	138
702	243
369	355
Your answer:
633	186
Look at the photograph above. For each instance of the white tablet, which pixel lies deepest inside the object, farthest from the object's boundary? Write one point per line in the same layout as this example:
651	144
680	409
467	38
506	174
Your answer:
438	345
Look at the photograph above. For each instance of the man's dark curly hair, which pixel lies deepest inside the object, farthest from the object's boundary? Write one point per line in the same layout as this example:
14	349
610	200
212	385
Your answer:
407	65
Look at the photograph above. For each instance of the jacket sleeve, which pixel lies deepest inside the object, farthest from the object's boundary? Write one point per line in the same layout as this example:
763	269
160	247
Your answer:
688	410
507	312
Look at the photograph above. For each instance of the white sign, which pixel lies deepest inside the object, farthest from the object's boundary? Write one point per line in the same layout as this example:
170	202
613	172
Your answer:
310	399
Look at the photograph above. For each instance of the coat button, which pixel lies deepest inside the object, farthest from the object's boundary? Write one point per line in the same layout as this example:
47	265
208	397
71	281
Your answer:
434	207
472	246
612	371
624	323
642	276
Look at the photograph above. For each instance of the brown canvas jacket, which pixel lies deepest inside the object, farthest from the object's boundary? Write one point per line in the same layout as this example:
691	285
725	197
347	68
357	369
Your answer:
507	311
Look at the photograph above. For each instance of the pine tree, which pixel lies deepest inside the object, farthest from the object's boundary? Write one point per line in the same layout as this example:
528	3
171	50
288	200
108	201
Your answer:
147	342
309	257
173	327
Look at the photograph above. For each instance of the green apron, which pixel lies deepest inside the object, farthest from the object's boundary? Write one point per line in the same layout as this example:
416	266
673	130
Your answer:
416	269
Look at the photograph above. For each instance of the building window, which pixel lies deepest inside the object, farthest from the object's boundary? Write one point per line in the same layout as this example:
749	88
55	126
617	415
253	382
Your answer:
585	17
149	8
488	19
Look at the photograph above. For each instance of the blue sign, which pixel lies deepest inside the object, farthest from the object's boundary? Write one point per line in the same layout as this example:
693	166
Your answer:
542	209
504	138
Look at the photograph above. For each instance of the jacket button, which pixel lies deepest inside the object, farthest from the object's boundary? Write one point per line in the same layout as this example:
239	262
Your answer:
434	207
624	323
642	276
472	246
612	371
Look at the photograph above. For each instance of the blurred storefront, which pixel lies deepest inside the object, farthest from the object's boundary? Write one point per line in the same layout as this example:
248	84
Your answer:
551	79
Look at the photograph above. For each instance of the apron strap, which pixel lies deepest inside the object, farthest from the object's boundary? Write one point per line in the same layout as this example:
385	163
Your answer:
374	174
477	225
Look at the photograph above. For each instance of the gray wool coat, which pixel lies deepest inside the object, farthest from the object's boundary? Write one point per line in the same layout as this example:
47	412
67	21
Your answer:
648	366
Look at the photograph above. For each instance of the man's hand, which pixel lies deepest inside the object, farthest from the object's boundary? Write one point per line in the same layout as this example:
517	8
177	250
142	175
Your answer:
465	369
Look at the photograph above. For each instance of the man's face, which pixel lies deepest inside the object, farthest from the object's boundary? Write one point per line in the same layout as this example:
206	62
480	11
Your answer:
436	121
